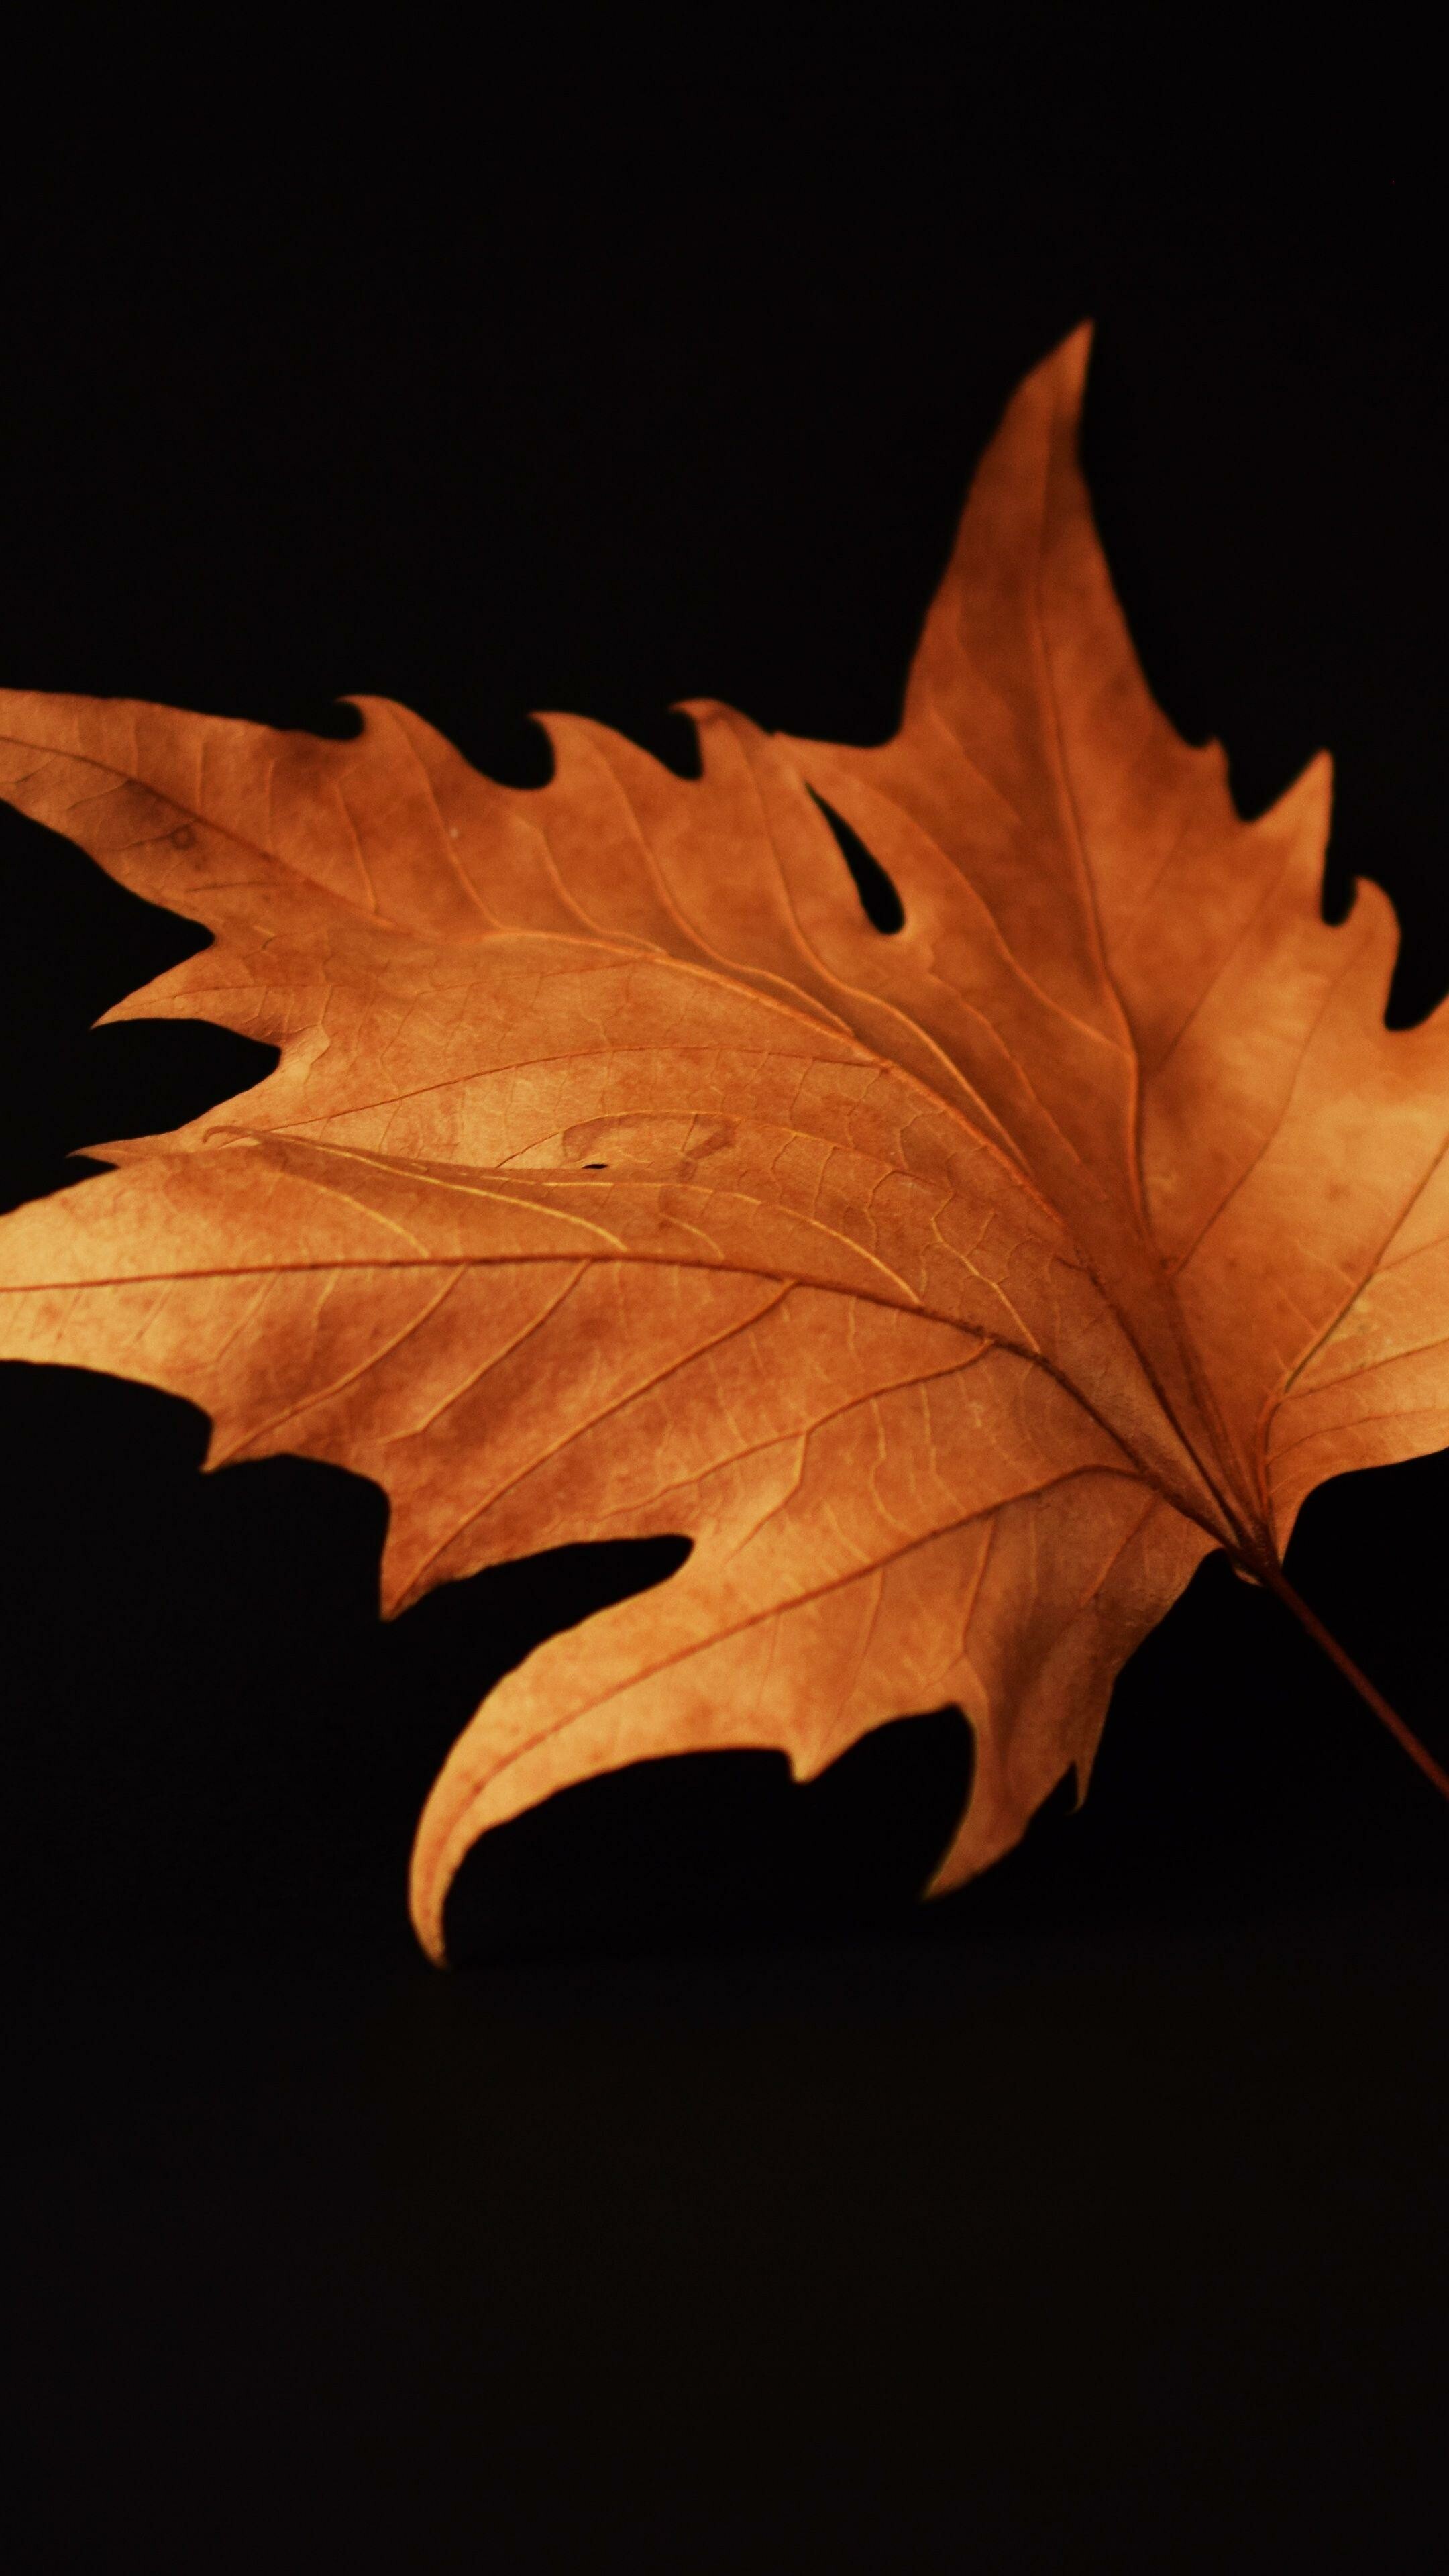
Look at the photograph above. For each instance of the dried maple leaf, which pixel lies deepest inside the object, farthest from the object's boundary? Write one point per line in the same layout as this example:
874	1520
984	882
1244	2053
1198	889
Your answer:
955	1291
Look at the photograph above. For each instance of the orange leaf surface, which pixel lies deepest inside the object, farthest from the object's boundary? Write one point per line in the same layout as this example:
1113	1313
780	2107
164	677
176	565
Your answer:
954	1290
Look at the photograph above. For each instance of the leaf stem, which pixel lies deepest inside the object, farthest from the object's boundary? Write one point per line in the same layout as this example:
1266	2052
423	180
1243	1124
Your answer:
1274	1580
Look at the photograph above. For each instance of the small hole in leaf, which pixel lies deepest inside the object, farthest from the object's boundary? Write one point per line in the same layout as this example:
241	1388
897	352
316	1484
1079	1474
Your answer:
880	902
596	1167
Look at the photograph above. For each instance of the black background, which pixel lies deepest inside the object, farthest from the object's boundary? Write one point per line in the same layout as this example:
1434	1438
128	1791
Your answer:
723	2211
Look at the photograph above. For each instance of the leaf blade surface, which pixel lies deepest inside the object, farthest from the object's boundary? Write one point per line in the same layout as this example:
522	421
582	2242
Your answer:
954	1291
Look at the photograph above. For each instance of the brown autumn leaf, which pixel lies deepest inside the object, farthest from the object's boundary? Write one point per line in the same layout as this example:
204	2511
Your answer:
955	1291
